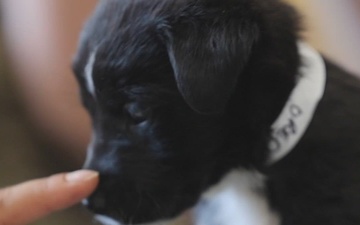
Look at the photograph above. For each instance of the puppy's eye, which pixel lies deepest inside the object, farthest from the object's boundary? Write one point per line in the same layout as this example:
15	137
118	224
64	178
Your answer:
137	113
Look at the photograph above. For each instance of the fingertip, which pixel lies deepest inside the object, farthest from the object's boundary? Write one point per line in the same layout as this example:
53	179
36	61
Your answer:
66	189
81	182
81	176
43	196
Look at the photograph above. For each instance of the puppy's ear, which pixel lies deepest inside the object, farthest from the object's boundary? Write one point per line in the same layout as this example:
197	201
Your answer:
207	58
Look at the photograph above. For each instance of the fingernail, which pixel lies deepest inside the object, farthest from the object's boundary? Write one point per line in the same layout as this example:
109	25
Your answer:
81	175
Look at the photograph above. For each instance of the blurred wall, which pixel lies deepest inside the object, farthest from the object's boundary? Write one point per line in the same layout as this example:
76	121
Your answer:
40	39
333	26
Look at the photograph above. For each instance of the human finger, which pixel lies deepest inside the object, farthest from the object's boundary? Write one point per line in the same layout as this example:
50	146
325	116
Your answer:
26	202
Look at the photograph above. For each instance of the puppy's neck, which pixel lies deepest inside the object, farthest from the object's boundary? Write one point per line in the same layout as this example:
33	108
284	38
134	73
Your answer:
298	111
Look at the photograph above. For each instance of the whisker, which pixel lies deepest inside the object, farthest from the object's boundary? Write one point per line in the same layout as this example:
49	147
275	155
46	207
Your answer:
158	207
140	193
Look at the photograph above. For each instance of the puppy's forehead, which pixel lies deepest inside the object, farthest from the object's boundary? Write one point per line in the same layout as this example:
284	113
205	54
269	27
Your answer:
124	34
118	23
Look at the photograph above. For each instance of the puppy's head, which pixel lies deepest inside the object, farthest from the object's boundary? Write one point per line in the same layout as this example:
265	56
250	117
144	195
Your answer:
156	77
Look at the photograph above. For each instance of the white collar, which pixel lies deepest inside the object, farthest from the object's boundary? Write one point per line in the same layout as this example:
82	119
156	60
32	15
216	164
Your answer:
298	111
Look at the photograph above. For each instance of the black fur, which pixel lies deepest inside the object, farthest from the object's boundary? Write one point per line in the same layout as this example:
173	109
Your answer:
188	89
319	183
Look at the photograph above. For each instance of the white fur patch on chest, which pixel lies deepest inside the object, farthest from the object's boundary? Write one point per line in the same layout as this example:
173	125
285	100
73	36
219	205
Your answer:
238	199
89	68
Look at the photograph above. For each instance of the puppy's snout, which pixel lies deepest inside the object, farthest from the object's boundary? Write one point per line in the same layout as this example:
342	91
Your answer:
99	201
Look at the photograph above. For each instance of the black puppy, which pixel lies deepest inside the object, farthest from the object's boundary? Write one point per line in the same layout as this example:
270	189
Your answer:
186	94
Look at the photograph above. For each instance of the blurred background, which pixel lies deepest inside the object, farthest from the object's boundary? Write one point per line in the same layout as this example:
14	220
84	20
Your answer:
43	128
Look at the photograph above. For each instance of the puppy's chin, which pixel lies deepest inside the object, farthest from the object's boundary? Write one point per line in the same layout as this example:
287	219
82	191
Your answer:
184	219
106	220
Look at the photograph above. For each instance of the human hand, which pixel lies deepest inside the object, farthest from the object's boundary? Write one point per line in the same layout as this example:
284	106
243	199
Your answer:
26	202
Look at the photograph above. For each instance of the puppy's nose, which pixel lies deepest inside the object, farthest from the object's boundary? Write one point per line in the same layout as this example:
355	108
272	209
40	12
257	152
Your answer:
96	203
